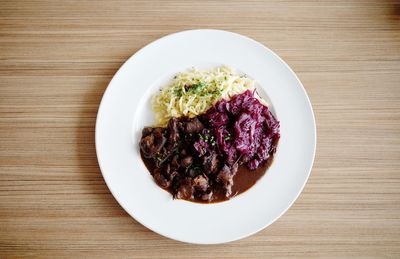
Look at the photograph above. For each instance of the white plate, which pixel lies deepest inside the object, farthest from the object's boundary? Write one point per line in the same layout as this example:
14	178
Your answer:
125	110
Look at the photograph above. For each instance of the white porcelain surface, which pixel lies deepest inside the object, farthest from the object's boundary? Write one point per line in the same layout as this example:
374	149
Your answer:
125	109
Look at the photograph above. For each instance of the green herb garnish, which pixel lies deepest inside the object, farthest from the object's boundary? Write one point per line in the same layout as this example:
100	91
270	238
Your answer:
178	92
196	88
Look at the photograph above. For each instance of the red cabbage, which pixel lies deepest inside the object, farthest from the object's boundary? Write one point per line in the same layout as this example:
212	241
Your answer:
244	128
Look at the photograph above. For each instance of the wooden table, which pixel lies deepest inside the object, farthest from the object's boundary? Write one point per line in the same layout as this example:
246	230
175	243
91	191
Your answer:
57	57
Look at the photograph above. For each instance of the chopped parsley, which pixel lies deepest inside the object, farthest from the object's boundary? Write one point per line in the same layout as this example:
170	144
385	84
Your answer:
196	88
192	89
178	92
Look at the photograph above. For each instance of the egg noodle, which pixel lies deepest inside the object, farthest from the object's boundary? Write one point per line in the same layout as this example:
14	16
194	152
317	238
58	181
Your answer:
193	92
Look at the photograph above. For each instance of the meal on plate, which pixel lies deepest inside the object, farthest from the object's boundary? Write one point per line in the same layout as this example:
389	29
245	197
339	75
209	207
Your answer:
214	138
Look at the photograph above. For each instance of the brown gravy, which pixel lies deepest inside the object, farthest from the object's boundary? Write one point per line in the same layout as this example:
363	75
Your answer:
242	181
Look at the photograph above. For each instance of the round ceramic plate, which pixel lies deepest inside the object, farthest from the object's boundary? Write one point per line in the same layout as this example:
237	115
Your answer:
125	109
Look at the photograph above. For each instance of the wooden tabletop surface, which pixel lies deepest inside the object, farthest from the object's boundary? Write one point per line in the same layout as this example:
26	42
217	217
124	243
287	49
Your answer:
57	57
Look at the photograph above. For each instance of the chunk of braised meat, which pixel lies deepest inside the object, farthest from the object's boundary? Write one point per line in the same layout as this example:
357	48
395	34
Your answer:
173	131
166	169
225	177
211	163
193	172
173	174
186	161
160	179
174	162
194	126
200	183
183	152
185	190
153	143
169	172
167	152
146	131
170	145
164	155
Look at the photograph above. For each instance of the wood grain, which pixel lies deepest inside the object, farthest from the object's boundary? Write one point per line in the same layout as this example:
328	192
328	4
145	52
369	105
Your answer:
57	57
